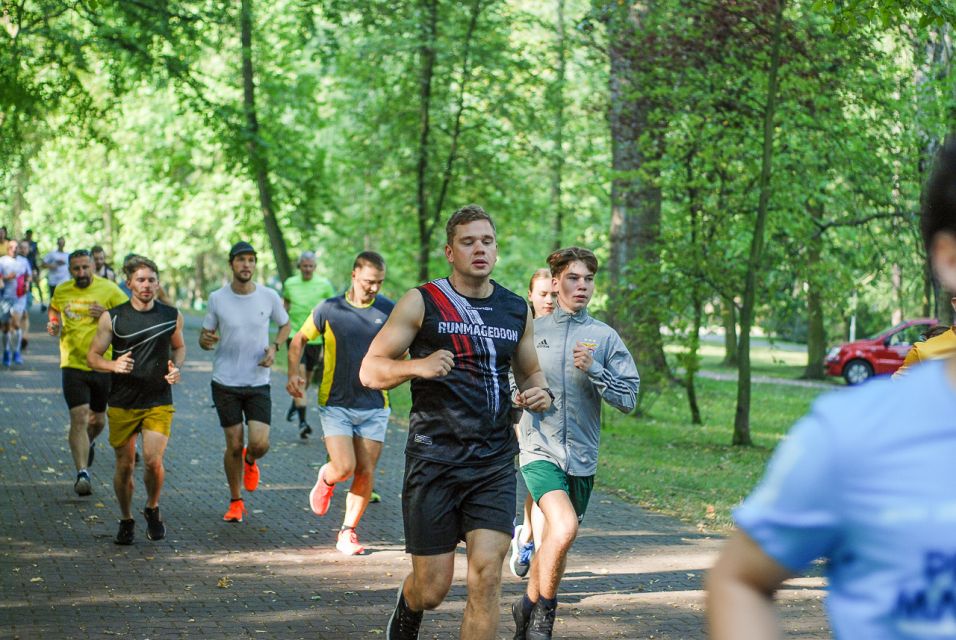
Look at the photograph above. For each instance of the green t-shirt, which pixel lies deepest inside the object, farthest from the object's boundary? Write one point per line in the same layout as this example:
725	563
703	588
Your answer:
79	327
303	296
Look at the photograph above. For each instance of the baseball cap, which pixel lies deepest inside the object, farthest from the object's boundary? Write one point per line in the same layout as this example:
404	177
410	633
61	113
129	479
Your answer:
239	248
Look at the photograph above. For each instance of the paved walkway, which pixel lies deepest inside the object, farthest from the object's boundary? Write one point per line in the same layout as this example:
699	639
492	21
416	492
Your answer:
632	574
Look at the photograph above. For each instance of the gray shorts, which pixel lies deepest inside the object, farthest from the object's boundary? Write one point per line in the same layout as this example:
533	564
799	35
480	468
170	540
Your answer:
364	423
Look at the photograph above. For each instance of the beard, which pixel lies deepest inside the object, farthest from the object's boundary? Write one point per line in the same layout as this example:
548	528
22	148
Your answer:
83	282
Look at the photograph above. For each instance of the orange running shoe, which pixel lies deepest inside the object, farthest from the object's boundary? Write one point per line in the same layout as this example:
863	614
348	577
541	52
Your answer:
250	473
321	495
348	542
236	509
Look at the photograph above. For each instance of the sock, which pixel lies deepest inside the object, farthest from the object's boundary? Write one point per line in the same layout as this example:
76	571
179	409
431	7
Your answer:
235	499
526	605
548	603
83	471
301	412
18	339
345	528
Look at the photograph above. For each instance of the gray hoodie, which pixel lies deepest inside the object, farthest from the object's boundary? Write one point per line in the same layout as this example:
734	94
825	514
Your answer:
568	433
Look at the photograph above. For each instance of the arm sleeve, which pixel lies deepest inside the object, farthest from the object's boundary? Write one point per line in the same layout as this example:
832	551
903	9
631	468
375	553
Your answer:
309	329
913	357
211	321
793	514
617	379
279	315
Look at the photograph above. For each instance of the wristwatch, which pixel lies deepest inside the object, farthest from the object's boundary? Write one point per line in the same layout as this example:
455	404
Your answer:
548	391
277	346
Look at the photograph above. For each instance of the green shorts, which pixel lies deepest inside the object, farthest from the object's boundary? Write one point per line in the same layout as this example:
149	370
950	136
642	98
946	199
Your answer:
542	477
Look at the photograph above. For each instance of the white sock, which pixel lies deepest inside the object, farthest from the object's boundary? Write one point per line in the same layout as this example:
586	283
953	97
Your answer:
18	341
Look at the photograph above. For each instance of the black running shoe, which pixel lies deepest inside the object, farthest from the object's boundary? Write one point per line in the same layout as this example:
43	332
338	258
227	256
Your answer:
404	623
125	533
155	527
541	621
304	430
521	620
290	413
91	454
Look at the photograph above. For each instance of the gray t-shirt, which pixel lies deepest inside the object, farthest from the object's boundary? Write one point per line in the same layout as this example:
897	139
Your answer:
243	324
58	273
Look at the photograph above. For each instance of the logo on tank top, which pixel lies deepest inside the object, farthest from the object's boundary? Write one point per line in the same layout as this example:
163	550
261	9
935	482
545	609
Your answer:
480	330
420	439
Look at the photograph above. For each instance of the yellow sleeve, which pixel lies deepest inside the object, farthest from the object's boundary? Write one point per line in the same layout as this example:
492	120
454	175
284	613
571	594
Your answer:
913	357
309	330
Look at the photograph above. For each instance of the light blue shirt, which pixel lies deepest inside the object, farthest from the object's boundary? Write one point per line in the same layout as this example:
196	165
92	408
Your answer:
868	480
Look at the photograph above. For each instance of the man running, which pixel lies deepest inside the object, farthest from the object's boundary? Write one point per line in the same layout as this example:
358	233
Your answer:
57	262
463	333
354	418
559	449
16	273
237	327
148	352
300	295
74	311
100	267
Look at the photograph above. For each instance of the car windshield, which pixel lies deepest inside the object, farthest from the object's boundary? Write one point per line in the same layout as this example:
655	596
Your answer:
876	335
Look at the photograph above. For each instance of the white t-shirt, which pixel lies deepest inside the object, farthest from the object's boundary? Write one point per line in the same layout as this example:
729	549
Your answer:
58	273
243	324
17	266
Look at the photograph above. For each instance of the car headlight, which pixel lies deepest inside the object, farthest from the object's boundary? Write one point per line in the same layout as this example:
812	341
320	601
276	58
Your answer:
833	353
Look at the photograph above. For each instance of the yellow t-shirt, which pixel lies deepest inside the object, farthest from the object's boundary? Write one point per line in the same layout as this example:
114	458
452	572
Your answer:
79	327
941	346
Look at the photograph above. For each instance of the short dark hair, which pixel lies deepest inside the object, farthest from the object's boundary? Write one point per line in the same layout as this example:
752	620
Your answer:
79	253
560	259
369	258
468	213
939	195
97	249
135	263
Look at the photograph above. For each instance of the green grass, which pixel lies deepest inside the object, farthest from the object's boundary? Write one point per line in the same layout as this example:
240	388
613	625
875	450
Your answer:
764	361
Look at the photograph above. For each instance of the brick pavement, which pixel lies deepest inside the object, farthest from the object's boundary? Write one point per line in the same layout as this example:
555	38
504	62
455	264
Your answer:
632	573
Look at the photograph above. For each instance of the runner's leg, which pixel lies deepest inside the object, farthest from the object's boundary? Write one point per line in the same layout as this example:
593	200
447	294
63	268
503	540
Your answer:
80	417
486	553
341	463
258	440
123	476
154	473
427	585
232	459
560	530
366	454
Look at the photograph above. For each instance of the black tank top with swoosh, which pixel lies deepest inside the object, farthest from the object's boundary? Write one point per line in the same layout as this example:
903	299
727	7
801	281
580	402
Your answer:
147	335
463	418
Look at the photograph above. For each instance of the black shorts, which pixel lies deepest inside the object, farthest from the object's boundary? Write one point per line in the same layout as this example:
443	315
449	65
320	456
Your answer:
311	356
86	387
441	503
234	403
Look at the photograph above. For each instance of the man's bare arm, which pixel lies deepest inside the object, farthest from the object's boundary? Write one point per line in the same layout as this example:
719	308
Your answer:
296	383
384	366
101	342
740	590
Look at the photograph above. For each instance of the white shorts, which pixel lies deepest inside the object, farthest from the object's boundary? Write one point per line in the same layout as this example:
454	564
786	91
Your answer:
370	424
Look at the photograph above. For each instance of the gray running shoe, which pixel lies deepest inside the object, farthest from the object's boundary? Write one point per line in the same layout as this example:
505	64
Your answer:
83	486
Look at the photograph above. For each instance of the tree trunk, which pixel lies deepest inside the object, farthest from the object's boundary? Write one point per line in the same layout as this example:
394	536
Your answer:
728	316
557	158
634	264
742	416
258	162
426	54
816	335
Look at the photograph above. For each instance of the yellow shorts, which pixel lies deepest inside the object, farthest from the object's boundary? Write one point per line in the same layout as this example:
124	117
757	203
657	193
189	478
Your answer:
125	422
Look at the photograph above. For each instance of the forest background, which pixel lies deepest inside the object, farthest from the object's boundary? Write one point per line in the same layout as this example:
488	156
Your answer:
738	164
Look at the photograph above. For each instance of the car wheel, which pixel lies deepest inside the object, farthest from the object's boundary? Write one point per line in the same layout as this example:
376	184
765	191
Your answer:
857	371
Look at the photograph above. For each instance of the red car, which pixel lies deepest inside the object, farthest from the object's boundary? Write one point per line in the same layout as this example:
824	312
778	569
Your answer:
882	354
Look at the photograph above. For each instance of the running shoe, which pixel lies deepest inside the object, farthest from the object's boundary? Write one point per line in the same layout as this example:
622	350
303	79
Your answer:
155	527
304	430
541	621
290	412
348	543
520	618
126	530
250	473
91	454
17	358
6	357
321	495
24	343
375	498
83	486
404	623
521	553
235	512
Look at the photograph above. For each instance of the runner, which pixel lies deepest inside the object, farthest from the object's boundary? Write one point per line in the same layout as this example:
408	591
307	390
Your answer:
559	449
74	311
100	267
16	273
541	299
148	352
23	250
300	295
354	418
237	327
463	333
57	262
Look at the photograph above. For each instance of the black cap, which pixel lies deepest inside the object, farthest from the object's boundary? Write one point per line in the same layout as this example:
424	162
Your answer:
240	248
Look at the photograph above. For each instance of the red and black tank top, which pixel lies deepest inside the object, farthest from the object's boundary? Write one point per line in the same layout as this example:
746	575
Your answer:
463	418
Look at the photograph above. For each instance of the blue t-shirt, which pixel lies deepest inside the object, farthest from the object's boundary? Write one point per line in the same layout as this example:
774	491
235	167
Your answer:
868	481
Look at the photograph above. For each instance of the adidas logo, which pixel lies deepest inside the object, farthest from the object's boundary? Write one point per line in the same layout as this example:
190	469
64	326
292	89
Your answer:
543	344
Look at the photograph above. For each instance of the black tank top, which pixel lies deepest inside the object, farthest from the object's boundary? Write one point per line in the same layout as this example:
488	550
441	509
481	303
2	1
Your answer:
147	335
463	418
